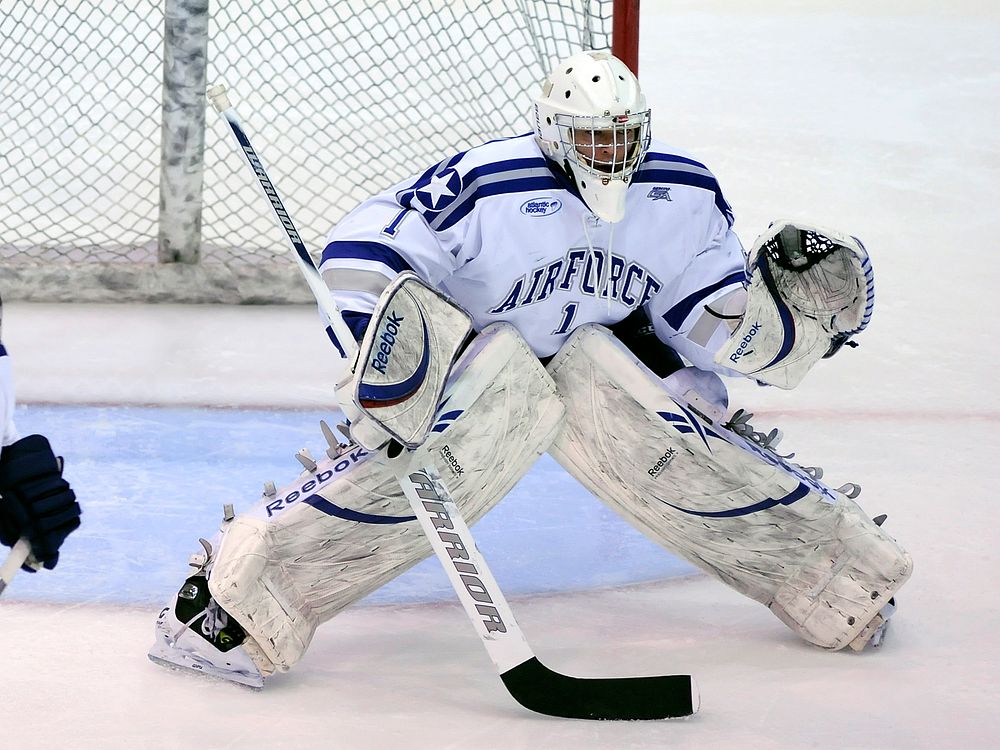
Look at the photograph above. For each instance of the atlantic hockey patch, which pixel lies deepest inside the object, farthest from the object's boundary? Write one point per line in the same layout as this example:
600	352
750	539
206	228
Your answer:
541	206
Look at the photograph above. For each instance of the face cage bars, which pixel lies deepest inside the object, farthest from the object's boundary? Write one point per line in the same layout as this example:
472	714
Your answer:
629	141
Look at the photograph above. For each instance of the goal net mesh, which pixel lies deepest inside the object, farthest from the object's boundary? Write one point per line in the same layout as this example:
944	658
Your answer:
341	99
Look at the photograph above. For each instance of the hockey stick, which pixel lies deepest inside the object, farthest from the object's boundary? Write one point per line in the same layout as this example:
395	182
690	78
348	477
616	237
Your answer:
529	682
15	559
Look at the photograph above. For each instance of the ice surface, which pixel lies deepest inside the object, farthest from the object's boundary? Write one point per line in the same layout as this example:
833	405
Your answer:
878	119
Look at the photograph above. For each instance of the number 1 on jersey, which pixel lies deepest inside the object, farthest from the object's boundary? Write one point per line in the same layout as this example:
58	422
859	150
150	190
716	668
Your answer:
569	312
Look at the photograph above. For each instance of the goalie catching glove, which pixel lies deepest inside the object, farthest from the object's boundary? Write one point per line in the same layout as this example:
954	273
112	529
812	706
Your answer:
810	291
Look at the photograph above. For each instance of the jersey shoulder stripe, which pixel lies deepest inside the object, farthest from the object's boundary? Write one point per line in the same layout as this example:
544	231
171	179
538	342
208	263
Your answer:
408	186
524	178
660	166
677	314
446	196
365	250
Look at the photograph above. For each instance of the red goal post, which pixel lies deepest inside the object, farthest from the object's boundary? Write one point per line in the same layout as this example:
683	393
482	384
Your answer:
625	33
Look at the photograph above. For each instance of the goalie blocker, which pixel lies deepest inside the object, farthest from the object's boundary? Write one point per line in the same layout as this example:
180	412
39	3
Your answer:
765	527
395	385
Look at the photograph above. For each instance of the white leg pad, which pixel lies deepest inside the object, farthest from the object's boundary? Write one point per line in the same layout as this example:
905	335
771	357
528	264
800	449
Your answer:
341	531
756	522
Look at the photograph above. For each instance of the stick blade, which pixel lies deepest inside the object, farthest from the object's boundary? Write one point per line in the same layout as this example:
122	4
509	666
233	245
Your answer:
538	688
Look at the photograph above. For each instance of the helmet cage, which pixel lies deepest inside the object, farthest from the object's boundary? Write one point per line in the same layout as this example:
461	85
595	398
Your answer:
625	137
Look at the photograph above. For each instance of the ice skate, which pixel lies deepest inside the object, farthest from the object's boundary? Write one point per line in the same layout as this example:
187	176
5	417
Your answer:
195	633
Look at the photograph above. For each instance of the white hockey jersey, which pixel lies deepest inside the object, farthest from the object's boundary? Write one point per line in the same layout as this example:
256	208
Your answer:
8	432
501	230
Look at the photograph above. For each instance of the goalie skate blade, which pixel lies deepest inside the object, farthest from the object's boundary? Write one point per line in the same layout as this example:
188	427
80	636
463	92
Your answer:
249	680
192	653
538	688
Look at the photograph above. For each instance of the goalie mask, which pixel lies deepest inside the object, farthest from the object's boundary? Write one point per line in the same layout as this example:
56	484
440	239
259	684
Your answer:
592	120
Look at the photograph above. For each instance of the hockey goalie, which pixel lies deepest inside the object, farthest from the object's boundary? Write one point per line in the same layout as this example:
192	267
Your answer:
578	290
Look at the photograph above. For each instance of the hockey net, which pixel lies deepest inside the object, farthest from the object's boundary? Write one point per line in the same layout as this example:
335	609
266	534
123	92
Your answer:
342	99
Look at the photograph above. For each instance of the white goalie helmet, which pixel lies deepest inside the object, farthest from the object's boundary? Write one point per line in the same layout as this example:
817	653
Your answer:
591	119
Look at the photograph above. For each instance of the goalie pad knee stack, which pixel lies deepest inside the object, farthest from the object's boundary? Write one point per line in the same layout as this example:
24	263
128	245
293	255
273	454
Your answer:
765	527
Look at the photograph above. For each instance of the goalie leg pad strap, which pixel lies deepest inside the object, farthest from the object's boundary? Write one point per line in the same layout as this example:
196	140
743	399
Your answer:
761	525
338	533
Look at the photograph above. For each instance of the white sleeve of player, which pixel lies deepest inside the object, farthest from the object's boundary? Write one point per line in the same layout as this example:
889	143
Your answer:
8	432
696	315
375	243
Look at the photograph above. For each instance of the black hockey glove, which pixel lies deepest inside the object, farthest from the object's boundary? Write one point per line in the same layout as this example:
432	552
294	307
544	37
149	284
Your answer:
35	501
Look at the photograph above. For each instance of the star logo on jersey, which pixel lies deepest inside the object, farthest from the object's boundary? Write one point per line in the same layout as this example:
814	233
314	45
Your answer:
442	189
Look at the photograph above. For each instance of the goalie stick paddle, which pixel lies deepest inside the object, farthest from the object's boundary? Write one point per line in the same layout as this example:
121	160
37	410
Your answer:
529	682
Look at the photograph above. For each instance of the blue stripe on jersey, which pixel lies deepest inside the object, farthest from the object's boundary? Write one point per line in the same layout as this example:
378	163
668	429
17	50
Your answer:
405	197
462	204
677	314
501	187
675	177
357	322
3	351
335	341
661	156
650	172
366	250
407	192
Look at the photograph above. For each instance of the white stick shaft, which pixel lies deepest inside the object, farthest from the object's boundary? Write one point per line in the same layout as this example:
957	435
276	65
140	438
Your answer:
320	291
15	559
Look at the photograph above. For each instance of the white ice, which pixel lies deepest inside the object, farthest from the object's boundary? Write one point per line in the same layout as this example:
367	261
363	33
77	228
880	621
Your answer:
877	118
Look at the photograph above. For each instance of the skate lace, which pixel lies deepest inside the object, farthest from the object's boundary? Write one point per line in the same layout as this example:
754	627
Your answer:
215	617
215	620
740	424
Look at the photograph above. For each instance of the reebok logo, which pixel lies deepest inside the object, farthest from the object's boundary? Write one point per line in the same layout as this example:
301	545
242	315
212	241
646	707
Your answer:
383	350
662	462
453	463
741	350
346	461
